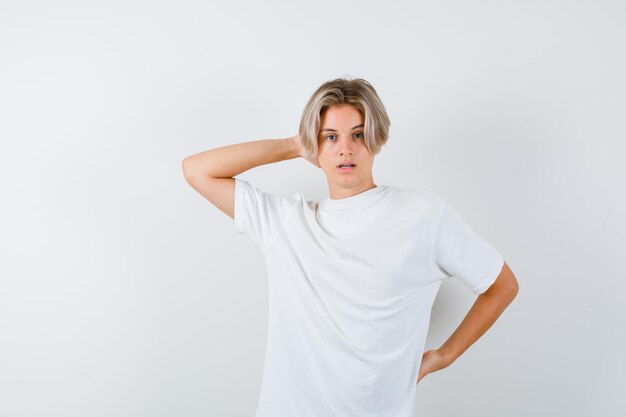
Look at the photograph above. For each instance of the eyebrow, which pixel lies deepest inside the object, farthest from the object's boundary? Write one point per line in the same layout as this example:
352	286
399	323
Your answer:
333	130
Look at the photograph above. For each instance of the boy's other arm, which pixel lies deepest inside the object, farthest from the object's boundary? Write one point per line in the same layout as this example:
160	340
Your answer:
211	172
484	312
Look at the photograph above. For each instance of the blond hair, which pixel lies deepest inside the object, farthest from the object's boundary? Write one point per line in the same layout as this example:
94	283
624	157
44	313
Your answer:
356	92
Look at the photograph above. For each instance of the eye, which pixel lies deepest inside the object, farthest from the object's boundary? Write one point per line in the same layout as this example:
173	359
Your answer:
356	133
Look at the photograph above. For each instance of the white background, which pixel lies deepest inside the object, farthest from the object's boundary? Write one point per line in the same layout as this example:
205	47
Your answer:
123	292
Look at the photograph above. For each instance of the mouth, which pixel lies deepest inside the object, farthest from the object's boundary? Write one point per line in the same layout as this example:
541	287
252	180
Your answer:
346	167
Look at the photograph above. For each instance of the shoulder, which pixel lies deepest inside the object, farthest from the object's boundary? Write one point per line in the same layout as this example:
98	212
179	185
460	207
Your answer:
245	187
260	202
419	197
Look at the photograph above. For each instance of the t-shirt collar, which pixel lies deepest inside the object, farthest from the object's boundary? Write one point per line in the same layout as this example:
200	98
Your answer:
361	199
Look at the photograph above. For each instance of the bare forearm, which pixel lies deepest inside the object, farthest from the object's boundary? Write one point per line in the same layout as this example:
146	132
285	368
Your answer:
231	160
481	316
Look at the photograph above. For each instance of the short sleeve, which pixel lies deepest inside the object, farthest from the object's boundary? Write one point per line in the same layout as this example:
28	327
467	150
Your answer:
462	253
258	214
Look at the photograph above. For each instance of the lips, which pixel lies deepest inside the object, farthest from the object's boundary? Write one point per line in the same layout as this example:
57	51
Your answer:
351	168
346	163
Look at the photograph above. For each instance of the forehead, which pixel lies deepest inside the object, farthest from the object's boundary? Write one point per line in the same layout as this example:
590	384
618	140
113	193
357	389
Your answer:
341	117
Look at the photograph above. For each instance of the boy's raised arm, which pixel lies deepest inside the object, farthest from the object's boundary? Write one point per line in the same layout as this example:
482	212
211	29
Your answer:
211	172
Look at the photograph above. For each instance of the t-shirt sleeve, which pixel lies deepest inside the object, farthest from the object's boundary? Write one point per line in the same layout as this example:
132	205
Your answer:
258	214
462	253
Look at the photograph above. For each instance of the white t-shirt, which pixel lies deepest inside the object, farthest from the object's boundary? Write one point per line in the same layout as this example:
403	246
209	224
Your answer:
351	286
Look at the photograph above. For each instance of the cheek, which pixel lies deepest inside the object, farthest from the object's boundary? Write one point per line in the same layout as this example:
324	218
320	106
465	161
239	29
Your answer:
323	158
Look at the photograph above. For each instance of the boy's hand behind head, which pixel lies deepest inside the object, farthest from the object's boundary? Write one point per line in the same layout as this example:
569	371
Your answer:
302	152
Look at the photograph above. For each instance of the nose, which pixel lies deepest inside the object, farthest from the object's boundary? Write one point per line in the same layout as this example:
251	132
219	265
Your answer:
346	146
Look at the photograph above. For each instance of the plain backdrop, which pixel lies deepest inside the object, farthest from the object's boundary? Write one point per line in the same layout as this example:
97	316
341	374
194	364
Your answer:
123	292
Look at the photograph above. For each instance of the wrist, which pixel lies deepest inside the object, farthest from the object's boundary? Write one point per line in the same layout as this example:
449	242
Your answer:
447	355
293	146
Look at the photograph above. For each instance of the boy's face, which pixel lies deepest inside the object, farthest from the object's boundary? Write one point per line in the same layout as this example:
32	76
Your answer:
344	145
